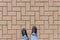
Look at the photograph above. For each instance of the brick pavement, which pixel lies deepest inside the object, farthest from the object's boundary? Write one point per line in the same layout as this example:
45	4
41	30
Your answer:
18	14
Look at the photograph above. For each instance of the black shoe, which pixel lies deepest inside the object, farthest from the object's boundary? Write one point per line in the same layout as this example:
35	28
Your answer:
34	30
24	32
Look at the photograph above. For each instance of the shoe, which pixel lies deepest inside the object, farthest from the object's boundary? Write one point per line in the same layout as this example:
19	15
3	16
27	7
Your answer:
24	32
34	30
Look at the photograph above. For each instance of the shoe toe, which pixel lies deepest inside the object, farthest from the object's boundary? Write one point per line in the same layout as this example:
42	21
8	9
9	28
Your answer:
24	32
34	29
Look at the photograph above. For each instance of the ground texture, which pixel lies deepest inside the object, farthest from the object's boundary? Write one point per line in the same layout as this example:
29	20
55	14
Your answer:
18	14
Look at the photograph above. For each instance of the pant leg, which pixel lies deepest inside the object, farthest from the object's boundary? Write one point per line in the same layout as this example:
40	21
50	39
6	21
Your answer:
34	36
24	37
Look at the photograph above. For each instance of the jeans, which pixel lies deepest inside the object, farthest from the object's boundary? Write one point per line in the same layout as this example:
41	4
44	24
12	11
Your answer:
33	37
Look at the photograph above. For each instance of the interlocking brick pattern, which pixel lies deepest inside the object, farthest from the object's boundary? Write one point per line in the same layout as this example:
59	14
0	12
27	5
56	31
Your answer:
18	14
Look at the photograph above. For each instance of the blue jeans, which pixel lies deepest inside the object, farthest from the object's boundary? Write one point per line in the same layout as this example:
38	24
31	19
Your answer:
33	37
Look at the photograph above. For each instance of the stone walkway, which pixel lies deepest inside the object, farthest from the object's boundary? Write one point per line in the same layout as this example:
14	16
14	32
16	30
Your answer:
18	14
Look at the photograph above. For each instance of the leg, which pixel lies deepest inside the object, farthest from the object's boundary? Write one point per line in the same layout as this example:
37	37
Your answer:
34	34
24	34
24	37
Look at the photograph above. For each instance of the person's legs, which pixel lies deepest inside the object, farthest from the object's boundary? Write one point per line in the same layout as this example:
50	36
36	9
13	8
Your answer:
34	34
24	37
24	34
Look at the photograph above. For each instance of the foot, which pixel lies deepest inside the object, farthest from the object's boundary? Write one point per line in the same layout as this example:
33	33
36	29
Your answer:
24	32
34	30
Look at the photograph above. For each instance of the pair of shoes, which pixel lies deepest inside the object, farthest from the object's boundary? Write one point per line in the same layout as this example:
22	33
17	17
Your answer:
24	32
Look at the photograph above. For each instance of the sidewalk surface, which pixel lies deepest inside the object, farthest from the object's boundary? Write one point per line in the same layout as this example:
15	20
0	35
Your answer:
18	14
